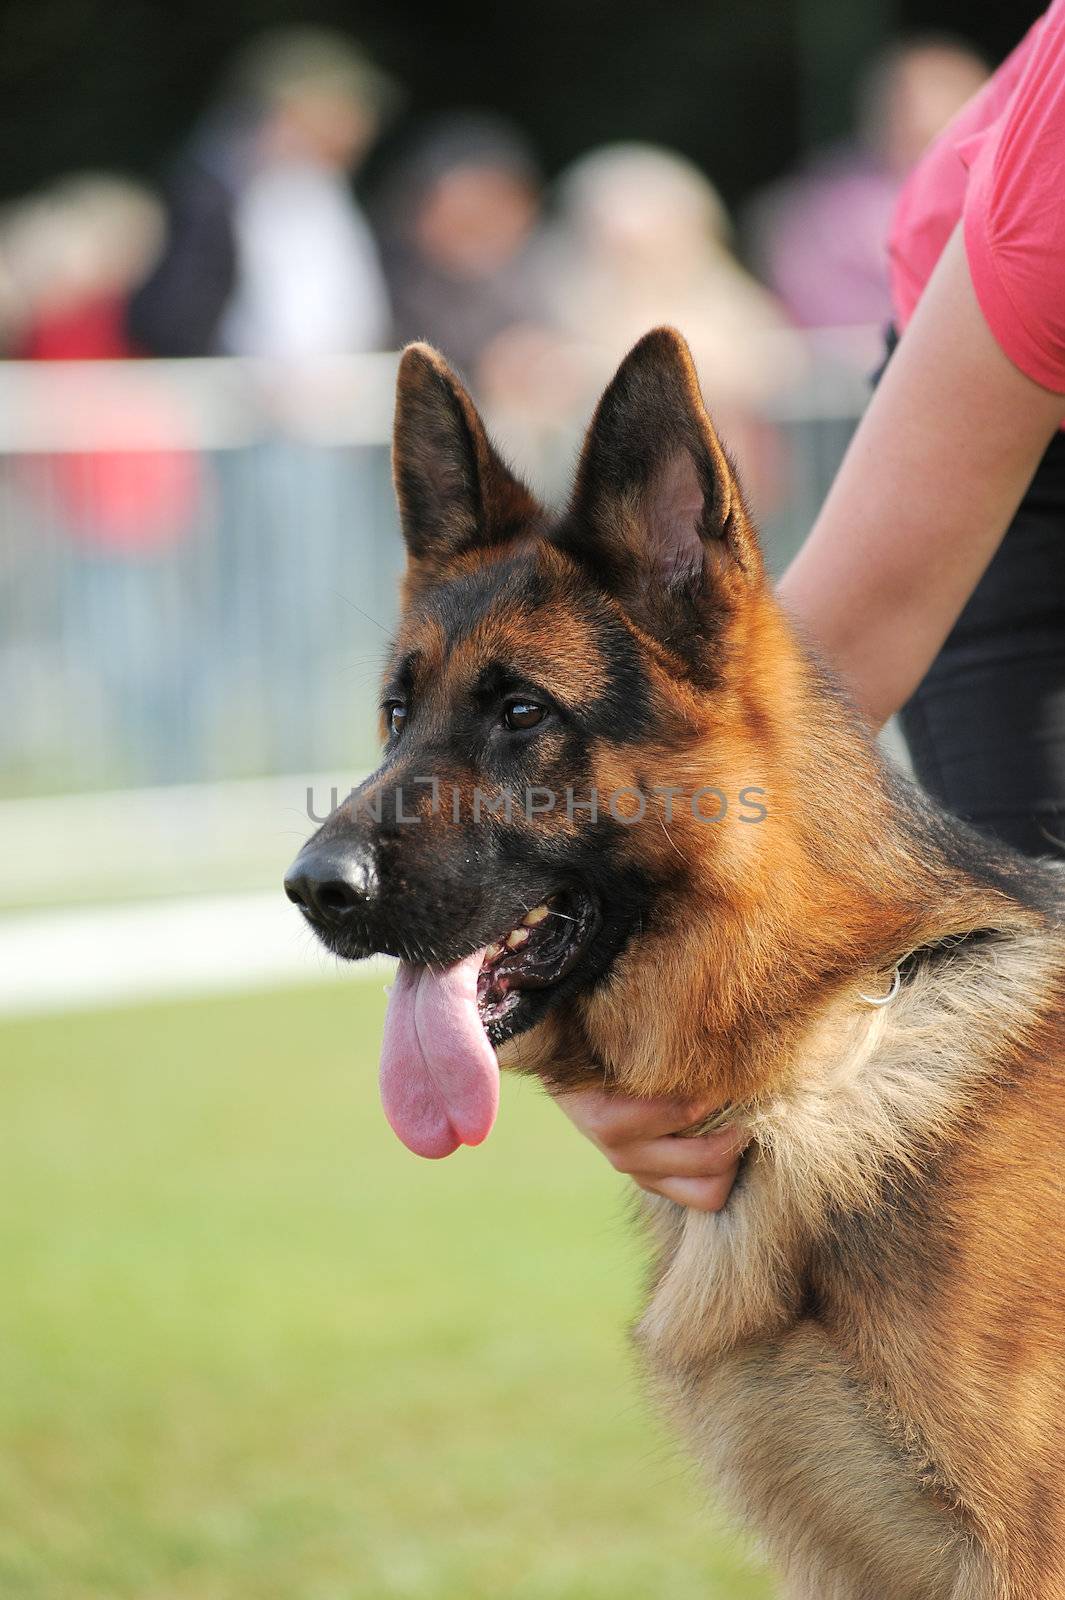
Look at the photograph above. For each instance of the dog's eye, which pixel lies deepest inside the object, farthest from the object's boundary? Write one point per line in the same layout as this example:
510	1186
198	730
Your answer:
523	714
395	716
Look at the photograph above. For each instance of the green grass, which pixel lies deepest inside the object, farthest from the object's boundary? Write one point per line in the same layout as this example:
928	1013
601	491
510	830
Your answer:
253	1350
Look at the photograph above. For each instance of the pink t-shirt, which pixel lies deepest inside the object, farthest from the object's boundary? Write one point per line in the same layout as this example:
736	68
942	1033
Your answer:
999	167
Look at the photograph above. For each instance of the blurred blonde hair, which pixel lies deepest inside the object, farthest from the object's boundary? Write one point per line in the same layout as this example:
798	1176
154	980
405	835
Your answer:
88	233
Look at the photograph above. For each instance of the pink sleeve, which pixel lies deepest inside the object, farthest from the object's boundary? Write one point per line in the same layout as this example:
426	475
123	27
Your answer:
1014	216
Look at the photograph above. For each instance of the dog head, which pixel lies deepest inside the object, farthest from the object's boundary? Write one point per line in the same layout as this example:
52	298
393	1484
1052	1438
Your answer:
572	724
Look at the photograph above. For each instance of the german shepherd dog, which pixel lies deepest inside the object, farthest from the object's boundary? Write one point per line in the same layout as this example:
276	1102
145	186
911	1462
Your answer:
627	829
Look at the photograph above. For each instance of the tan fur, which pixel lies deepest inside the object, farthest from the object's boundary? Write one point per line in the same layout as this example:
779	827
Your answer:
826	1442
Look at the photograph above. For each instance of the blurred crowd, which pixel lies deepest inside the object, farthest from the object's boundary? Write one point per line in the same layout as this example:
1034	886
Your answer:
257	245
263	241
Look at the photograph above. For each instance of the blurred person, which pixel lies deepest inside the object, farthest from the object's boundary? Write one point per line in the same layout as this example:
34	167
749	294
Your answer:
270	256
70	257
641	237
115	508
267	251
817	237
73	255
457	213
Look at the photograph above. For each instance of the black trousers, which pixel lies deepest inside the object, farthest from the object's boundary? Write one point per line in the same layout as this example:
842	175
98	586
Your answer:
986	728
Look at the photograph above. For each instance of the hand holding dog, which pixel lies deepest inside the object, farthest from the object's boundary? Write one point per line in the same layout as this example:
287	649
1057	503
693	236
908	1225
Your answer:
642	1138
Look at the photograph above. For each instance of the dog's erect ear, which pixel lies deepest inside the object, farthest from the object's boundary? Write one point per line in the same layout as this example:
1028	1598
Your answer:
656	510
454	492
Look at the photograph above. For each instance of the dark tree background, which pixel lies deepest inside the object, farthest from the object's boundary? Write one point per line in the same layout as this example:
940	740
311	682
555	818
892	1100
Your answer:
741	85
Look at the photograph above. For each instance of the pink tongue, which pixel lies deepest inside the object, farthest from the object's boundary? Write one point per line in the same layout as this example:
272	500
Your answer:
439	1075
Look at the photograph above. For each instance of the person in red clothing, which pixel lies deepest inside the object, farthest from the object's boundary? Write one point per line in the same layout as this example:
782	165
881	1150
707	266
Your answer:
115	521
77	251
934	578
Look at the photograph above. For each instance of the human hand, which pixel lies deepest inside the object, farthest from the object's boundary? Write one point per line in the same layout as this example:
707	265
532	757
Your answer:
643	1138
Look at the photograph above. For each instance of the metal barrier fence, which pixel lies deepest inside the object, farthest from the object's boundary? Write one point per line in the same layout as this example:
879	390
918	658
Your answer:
198	560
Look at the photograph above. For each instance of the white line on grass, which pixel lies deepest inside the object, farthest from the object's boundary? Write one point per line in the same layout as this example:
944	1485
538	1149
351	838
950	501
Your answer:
61	959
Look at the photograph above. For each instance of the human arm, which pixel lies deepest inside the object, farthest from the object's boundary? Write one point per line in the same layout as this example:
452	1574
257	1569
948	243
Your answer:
934	473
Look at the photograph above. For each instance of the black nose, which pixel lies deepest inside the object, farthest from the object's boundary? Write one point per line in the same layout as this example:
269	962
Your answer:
331	880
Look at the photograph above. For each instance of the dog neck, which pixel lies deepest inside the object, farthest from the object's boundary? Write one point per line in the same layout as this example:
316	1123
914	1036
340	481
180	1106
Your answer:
871	1098
776	925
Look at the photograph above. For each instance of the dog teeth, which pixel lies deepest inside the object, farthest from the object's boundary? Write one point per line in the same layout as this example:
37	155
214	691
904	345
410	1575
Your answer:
531	918
493	952
516	937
